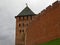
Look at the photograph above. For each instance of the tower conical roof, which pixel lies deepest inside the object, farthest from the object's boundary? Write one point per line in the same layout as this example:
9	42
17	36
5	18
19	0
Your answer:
26	12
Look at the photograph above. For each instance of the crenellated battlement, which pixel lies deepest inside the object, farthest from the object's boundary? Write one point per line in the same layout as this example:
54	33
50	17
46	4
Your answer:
50	8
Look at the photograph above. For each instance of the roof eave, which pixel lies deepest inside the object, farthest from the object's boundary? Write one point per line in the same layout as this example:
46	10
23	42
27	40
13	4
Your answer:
25	15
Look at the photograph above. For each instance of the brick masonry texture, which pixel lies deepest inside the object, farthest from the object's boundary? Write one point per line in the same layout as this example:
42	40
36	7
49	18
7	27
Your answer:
20	38
45	27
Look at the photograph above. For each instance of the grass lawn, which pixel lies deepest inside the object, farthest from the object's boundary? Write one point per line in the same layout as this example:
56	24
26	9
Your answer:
52	42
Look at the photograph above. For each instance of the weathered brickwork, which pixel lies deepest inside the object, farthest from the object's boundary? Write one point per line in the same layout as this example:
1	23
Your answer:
45	27
22	23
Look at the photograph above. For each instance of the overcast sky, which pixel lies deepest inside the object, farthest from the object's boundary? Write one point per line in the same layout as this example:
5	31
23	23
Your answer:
9	9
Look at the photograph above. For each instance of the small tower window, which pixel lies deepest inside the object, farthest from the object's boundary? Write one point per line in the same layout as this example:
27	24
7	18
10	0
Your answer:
19	25
20	31
27	17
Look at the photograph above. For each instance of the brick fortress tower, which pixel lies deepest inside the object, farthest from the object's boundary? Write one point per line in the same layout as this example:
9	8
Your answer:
23	19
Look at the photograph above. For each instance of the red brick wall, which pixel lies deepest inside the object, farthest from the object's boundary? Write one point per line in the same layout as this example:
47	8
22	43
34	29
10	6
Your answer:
46	27
21	21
